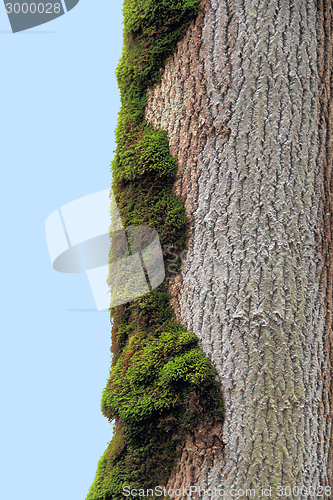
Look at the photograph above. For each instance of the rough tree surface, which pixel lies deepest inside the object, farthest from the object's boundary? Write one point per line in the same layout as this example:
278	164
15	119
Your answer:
246	102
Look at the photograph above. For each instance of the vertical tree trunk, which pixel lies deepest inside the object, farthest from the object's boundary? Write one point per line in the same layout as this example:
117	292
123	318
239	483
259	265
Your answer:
246	102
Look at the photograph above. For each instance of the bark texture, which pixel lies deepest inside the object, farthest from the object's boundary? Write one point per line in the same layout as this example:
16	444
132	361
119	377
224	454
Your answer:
325	65
246	102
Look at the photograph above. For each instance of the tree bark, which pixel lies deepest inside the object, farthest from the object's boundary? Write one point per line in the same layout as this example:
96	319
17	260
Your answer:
246	101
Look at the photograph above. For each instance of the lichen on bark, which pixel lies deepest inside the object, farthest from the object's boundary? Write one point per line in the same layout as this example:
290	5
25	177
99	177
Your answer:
162	387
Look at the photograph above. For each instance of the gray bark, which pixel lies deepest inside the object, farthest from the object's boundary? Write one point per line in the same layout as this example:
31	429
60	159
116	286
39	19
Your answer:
242	102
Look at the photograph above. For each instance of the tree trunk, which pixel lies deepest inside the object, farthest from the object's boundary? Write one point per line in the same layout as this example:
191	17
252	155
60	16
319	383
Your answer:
246	102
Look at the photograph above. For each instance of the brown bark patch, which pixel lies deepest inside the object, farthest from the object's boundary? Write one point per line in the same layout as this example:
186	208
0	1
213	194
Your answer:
198	455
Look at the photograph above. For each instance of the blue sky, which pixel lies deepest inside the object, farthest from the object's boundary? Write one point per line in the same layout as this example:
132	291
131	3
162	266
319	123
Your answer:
60	103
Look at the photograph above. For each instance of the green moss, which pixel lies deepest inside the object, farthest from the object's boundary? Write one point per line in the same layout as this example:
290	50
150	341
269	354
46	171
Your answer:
161	384
150	156
153	374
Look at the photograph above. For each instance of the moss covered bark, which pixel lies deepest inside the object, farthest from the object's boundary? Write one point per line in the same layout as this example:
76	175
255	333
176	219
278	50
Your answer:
161	385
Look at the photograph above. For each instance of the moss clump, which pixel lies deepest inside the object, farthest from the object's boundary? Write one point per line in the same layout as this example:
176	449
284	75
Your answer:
156	390
161	385
150	156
